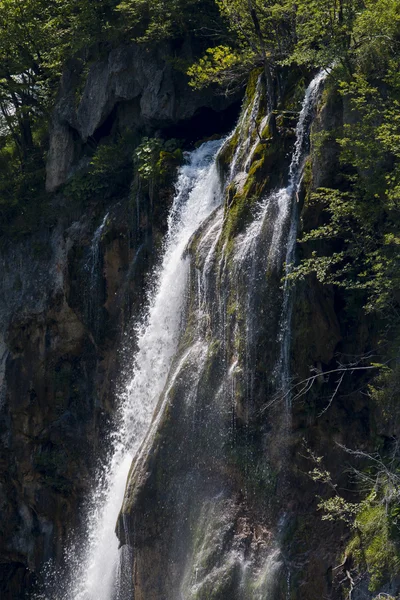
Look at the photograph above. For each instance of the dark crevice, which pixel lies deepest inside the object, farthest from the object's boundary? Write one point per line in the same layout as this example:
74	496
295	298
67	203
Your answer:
204	123
107	127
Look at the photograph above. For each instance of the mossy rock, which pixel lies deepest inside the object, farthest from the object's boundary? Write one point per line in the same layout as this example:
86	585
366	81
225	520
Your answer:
372	547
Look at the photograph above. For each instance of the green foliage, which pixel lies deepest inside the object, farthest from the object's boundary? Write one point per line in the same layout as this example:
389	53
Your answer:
22	197
372	546
354	34
149	21
374	521
156	161
361	219
222	65
36	38
356	246
109	171
384	390
260	34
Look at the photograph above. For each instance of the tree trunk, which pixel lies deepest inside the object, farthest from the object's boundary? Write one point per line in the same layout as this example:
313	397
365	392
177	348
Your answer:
268	70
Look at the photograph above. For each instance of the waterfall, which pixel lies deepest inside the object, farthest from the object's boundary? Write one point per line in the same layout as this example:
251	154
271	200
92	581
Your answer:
268	245
198	193
290	195
93	269
98	572
269	242
212	403
93	261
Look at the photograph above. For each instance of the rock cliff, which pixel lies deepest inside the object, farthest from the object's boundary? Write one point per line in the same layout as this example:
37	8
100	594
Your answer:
72	287
131	87
219	502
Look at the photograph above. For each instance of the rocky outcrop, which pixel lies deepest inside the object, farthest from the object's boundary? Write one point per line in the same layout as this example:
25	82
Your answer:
131	87
219	502
69	295
66	297
214	468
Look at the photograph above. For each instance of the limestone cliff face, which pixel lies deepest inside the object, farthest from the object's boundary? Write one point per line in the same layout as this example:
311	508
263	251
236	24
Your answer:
131	87
218	505
65	299
69	294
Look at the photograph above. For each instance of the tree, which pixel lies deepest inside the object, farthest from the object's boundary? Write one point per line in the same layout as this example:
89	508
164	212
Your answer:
36	37
260	35
362	215
149	21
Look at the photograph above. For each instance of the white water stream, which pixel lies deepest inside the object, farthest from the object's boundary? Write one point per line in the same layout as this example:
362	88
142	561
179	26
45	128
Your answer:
198	192
290	211
280	209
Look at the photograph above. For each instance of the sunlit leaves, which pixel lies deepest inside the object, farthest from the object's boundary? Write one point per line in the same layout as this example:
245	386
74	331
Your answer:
221	65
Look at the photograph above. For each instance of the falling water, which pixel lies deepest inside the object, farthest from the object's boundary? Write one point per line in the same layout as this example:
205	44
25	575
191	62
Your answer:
262	249
274	230
94	279
94	250
290	196
198	192
275	222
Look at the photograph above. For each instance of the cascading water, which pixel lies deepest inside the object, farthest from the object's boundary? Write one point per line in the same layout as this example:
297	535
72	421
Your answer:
268	245
276	223
200	479
98	573
290	197
95	277
198	193
93	261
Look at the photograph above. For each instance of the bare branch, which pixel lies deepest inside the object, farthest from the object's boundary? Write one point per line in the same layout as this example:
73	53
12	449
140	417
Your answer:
308	383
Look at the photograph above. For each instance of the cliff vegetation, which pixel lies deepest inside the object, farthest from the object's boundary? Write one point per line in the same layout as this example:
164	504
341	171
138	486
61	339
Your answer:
99	101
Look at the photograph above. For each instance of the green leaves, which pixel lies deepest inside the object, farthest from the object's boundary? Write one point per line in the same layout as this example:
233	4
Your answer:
156	160
150	21
222	65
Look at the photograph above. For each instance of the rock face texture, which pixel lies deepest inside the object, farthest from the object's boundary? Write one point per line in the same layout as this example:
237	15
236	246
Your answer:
219	504
63	303
69	295
131	87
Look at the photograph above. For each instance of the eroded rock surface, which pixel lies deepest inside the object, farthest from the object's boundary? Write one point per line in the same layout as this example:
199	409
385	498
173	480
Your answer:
131	87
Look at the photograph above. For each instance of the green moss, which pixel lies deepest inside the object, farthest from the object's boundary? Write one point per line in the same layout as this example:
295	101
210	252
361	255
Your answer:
241	202
228	150
307	180
252	85
372	546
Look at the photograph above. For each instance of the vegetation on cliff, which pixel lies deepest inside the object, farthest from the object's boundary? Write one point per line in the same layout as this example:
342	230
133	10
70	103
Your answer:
41	36
354	245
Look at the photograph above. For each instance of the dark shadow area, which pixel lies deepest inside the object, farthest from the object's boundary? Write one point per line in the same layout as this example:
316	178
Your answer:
106	128
204	123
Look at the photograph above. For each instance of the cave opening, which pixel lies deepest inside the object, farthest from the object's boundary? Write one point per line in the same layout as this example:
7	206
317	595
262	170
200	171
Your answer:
205	123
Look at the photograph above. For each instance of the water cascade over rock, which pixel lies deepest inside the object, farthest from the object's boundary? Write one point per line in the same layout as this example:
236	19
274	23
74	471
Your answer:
198	193
203	513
